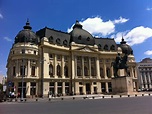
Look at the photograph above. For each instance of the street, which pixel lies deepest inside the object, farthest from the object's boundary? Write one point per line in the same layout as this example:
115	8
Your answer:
128	105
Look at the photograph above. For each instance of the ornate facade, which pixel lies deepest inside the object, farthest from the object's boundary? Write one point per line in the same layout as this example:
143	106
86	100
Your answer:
145	74
64	63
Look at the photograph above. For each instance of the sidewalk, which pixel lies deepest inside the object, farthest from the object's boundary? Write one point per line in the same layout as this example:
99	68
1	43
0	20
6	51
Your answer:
80	97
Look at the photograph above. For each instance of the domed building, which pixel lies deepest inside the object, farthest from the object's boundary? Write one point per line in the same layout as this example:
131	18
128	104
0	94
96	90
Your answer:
60	63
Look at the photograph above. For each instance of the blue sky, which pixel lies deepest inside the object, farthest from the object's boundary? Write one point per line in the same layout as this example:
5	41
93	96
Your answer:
102	18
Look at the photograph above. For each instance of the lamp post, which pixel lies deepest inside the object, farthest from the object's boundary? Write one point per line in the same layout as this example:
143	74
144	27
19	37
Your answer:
42	71
23	70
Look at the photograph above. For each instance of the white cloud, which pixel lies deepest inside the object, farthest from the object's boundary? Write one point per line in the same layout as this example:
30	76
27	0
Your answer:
7	39
120	20
149	52
98	27
135	36
1	16
148	9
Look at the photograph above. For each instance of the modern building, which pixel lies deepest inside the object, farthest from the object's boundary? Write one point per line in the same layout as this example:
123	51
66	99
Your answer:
145	74
64	63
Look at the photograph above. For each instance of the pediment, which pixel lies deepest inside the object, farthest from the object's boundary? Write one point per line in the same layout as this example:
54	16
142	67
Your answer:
86	49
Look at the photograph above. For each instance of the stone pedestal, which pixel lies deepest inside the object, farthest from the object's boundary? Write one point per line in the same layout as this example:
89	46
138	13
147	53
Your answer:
122	85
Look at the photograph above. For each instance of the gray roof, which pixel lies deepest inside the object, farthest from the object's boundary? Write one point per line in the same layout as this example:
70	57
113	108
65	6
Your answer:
54	36
102	43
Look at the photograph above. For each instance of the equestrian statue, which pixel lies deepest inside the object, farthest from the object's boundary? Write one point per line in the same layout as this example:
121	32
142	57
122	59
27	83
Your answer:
120	63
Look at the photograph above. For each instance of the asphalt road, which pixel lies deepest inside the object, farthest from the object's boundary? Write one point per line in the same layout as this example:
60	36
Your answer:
131	105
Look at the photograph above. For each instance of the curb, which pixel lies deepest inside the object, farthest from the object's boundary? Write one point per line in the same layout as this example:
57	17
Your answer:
77	97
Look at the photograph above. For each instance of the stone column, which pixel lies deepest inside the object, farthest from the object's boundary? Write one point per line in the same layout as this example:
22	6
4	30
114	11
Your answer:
111	71
92	90
56	88
104	69
28	87
99	87
16	87
76	88
62	66
84	88
28	68
75	66
107	89
135	75
145	80
63	88
82	66
37	88
149	79
55	64
141	81
90	67
132	72
17	68
97	68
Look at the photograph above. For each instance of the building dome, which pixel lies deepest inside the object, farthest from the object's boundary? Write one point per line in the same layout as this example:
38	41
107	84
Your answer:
26	35
126	48
81	36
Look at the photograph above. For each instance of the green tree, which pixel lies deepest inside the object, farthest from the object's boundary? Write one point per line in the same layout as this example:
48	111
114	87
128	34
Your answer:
1	87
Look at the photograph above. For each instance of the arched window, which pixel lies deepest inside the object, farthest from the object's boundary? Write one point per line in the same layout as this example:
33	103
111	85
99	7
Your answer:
99	46
88	39
101	72
51	70
65	43
58	41
50	39
78	71
106	47
58	70
112	47
66	71
108	72
85	71
79	38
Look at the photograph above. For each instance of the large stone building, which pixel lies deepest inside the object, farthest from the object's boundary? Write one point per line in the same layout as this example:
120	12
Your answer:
64	63
145	74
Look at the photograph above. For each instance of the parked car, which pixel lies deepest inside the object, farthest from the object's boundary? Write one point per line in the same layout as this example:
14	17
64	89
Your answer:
3	96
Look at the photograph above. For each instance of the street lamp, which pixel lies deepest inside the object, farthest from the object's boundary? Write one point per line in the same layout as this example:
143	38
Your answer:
23	70
42	70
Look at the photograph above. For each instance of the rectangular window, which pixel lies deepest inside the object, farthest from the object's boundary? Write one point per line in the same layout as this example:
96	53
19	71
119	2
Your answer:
67	84
52	84
60	84
33	71
23	51
22	70
65	58
58	57
35	52
14	72
51	56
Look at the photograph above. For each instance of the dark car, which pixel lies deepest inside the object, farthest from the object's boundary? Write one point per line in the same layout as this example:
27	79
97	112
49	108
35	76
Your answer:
3	96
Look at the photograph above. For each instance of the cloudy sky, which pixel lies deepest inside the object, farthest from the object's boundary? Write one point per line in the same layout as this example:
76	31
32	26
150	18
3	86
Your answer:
131	19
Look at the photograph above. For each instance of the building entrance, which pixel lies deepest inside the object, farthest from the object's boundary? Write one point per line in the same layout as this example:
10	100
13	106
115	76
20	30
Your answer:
88	89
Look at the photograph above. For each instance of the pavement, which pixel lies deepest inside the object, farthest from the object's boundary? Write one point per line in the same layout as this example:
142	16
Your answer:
79	97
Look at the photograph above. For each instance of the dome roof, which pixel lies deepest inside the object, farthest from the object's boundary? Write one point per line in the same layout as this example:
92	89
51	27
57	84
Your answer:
26	35
125	48
81	36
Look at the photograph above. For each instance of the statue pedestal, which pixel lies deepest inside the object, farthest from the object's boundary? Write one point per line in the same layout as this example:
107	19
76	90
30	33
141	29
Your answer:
121	72
122	85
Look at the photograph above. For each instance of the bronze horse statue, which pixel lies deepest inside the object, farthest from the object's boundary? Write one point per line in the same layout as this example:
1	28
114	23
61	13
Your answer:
121	64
